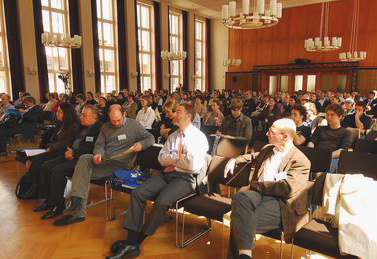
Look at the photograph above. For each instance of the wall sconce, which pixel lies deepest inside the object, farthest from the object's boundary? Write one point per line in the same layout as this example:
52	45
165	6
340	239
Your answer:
90	72
32	70
134	74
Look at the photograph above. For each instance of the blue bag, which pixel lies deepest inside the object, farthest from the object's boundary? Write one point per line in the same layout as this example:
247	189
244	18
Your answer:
129	178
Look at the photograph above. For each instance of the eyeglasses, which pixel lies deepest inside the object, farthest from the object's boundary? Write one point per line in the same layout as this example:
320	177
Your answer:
274	133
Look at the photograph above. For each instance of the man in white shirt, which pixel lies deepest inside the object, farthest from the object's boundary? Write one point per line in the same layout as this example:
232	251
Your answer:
183	157
276	196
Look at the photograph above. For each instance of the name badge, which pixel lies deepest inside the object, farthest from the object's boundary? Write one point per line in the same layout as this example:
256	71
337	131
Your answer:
89	139
122	137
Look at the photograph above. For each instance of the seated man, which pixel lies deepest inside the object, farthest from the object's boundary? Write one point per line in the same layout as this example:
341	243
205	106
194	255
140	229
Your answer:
54	173
358	119
183	157
332	137
27	126
167	125
115	149
276	195
236	124
5	105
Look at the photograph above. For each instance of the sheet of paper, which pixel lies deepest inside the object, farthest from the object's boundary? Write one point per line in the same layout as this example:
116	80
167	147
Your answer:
34	152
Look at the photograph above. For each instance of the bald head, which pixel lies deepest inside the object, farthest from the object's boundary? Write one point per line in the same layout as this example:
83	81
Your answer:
116	118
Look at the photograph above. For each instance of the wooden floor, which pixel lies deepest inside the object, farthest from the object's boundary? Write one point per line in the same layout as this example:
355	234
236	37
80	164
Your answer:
24	236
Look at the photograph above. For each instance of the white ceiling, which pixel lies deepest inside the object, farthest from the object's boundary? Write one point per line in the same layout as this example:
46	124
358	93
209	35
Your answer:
212	8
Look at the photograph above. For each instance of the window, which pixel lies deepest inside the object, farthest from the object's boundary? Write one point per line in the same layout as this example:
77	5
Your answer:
176	44
273	85
4	68
311	83
299	81
55	20
200	53
146	46
107	39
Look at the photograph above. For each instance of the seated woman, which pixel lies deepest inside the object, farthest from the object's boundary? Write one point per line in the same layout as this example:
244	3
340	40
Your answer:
270	114
302	135
215	117
200	107
62	137
146	116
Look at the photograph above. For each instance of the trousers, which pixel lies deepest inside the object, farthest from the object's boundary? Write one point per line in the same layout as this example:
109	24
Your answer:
252	214
167	188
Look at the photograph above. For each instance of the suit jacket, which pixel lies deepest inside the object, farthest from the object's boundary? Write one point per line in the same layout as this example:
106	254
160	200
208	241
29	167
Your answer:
30	120
86	145
291	192
61	139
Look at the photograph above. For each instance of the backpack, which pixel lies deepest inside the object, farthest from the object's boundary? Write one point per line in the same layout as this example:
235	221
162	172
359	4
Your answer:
22	187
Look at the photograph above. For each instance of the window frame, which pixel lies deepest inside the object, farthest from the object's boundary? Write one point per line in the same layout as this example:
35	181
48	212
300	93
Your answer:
55	72
200	78
151	43
179	38
5	68
105	75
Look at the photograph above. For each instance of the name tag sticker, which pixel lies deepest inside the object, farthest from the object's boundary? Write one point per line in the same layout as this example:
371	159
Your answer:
122	137
89	139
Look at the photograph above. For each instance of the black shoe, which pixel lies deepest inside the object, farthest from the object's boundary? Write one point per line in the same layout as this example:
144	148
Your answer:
31	193
67	220
73	204
127	251
42	207
52	213
116	246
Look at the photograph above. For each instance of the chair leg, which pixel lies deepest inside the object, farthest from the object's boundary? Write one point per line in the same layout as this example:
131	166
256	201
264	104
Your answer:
281	247
292	249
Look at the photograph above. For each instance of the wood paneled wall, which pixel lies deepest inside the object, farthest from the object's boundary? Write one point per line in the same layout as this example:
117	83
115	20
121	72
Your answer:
285	42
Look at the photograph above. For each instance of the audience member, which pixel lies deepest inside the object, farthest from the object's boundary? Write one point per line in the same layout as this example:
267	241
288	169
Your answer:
90	99
146	116
358	119
302	135
131	107
167	126
5	104
214	117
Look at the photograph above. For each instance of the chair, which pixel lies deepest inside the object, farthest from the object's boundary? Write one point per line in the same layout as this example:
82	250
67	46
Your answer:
358	163
355	135
210	205
365	146
231	147
258	145
146	159
320	159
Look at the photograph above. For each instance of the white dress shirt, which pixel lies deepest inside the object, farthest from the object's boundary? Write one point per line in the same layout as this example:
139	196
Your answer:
192	143
272	164
146	118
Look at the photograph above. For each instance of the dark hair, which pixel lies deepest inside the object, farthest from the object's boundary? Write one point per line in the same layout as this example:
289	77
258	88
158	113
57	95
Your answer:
302	110
131	96
190	109
80	96
236	104
217	102
29	99
103	98
69	115
361	104
372	92
122	94
337	108
89	93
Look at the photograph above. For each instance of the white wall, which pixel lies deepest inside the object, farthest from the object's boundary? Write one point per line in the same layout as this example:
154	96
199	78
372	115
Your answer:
219	48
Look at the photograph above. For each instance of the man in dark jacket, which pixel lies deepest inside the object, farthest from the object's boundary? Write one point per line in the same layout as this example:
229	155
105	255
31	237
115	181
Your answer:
30	117
54	173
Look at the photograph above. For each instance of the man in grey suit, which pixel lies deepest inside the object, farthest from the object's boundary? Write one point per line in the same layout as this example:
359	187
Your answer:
117	144
276	196
183	157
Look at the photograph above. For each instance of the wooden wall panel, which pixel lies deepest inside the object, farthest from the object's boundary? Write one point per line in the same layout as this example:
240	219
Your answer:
284	42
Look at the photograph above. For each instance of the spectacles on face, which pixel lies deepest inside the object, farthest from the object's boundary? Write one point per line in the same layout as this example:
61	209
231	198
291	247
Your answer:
273	133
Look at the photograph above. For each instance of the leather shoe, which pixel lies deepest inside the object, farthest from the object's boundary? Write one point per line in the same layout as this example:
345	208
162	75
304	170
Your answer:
52	213
31	193
42	207
127	251
73	204
117	245
67	220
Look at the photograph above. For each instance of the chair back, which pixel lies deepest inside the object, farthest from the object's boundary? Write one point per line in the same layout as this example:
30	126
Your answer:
320	159
258	145
358	163
372	135
365	146
355	135
231	147
208	129
148	158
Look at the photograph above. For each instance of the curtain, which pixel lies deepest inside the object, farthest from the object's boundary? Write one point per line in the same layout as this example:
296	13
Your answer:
185	36
76	54
41	54
122	45
137	51
97	66
157	40
208	55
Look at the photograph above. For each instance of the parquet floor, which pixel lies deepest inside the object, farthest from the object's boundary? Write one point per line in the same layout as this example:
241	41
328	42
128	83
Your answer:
24	236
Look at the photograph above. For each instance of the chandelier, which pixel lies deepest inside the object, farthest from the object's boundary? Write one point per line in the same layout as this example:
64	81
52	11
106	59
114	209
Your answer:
173	55
232	62
322	42
353	54
259	18
50	39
